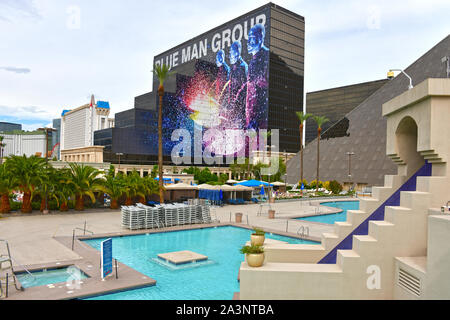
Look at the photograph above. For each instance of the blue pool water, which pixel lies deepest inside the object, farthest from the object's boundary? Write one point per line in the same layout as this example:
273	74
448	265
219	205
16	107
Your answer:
213	280
332	218
45	277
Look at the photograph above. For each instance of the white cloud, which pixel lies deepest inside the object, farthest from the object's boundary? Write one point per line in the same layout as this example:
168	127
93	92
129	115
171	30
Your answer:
16	70
111	54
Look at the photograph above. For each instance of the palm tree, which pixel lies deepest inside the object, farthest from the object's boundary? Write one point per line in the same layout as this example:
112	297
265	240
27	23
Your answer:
162	73
27	171
114	186
7	184
86	181
65	188
302	117
46	189
133	187
320	120
150	186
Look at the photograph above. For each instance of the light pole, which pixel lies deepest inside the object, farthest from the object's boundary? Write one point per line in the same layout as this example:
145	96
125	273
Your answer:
390	75
46	130
119	154
285	174
350	154
270	161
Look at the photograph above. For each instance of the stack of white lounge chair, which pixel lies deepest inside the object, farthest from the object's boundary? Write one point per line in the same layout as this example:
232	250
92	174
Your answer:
146	217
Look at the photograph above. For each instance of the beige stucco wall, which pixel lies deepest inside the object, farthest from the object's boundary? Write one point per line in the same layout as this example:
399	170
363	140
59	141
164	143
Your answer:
408	237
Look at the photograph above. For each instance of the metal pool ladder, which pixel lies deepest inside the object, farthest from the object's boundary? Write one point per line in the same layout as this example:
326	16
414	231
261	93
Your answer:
9	270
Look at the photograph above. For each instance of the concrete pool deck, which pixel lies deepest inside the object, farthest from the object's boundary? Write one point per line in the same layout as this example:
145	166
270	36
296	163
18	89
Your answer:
44	241
32	237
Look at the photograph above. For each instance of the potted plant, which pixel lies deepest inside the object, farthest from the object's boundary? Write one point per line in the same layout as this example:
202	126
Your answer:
257	237
254	255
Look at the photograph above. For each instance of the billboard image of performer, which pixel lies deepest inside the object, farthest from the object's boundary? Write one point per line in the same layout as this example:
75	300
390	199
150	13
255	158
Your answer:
238	81
222	86
257	88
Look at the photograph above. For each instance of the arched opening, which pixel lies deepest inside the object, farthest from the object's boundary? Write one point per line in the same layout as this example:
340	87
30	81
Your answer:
406	144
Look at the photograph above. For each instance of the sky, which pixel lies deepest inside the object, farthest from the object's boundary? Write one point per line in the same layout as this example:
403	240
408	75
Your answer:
55	53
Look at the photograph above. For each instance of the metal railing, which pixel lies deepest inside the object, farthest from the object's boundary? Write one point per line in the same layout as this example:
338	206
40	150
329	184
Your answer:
84	233
11	261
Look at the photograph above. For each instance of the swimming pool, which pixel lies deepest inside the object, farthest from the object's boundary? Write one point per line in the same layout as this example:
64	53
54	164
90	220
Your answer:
332	218
213	280
51	276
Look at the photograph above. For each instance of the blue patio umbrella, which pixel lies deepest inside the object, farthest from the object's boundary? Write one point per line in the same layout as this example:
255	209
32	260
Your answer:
164	179
261	192
253	183
221	195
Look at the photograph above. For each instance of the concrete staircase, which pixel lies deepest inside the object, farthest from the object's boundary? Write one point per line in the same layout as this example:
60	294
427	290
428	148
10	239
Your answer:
341	238
402	233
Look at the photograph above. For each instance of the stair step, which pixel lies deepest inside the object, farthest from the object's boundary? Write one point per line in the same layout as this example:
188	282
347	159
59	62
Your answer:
329	240
415	199
369	204
394	181
355	217
346	258
342	228
396	214
381	230
364	244
381	193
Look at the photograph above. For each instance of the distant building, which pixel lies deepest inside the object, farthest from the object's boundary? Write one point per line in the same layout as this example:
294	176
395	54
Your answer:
362	132
25	143
9	127
77	131
335	103
56	139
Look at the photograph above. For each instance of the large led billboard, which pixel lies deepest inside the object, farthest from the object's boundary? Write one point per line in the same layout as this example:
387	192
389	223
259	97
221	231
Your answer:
220	85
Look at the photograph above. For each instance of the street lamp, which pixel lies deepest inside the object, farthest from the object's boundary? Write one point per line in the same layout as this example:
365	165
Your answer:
46	130
350	154
390	75
119	154
270	161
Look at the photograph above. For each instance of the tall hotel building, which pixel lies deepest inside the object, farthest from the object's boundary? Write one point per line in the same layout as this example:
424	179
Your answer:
245	74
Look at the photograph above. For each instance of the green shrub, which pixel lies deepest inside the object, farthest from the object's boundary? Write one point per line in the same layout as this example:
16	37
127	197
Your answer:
313	184
35	205
335	187
252	249
15	206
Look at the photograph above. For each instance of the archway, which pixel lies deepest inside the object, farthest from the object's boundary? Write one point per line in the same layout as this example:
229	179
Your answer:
406	144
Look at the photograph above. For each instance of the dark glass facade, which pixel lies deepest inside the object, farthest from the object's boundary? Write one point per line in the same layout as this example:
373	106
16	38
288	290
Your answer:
9	127
287	56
